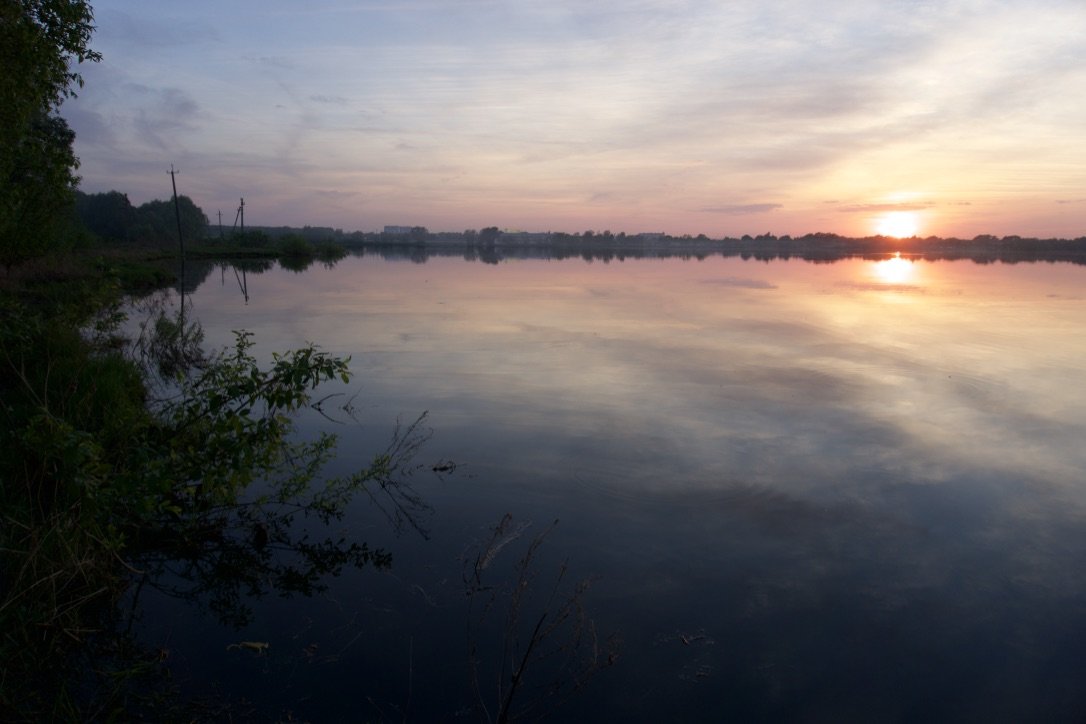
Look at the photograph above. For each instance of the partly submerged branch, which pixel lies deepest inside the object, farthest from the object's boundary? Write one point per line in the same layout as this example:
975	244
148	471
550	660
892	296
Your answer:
547	649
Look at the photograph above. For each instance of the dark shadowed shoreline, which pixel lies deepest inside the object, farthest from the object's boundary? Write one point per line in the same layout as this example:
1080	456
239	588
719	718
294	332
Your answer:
817	248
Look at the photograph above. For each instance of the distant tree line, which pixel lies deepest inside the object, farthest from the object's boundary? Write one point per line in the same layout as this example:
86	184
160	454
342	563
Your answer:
491	245
312	234
111	216
492	236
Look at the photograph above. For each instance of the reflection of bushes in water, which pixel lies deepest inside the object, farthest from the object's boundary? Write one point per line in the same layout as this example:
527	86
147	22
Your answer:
297	254
101	481
191	274
237	417
329	251
122	479
296	264
547	648
167	344
239	551
252	266
295	246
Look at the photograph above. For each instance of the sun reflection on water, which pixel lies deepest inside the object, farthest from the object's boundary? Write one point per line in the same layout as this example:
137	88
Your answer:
894	270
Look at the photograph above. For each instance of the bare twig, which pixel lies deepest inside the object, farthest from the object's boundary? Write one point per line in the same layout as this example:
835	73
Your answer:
561	647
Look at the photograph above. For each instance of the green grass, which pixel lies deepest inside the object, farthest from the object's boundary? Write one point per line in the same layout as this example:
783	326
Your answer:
69	412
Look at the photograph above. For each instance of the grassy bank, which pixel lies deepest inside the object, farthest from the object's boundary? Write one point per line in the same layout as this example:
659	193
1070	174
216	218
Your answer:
70	399
96	472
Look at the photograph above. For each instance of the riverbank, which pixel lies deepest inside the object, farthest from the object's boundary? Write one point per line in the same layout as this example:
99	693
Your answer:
96	470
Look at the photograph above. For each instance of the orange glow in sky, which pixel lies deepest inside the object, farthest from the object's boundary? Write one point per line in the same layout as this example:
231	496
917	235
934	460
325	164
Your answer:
898	224
856	118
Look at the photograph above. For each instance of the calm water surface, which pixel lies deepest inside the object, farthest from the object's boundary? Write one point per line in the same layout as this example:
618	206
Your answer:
807	492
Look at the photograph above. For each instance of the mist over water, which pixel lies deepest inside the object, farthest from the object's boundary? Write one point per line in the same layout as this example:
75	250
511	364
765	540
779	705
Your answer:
847	491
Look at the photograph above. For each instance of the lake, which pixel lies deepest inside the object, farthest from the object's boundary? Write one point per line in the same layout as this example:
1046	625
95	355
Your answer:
847	491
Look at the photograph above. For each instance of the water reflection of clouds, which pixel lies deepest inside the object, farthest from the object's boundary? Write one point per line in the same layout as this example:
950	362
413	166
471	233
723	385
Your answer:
741	282
642	373
880	287
801	422
898	594
872	501
766	398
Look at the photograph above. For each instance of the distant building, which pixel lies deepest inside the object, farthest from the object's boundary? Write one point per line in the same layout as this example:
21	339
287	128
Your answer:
398	230
651	235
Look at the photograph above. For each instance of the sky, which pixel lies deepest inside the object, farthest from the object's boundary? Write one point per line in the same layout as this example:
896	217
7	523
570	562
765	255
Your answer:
856	117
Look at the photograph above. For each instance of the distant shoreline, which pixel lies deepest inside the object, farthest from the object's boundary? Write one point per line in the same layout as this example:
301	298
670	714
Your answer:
492	244
813	248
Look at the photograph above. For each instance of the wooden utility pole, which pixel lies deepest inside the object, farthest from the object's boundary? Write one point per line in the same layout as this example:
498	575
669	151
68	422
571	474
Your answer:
220	225
239	215
177	211
180	241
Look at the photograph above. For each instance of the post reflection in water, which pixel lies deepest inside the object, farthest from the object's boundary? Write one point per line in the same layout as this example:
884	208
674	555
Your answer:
792	509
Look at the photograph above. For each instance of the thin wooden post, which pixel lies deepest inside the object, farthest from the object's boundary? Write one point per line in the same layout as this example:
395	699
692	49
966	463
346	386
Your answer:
180	241
177	212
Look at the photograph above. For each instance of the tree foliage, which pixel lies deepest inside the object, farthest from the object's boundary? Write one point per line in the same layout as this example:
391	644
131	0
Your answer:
156	221
36	189
40	41
102	476
111	216
108	215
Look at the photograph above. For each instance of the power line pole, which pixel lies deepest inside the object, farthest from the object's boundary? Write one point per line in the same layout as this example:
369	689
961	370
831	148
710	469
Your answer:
177	211
180	241
220	225
239	215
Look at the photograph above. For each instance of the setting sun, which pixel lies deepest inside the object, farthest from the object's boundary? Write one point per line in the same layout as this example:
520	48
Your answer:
898	224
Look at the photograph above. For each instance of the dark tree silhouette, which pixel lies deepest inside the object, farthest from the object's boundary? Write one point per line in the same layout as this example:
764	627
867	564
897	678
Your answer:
40	40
